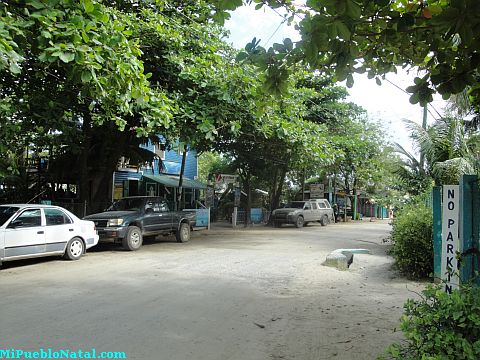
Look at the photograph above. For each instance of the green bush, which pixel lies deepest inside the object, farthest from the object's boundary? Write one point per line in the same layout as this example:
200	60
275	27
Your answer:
440	326
412	236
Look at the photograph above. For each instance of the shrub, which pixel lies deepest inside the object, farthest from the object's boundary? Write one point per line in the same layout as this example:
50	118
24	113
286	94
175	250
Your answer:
412	236
440	326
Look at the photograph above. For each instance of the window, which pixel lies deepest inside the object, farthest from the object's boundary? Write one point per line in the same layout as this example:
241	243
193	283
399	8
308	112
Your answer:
161	206
29	218
6	213
126	204
322	205
307	206
56	217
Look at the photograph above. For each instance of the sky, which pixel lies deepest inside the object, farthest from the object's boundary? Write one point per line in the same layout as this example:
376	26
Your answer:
386	103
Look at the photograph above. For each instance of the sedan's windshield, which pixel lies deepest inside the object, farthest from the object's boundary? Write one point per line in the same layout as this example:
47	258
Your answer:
127	204
295	204
6	212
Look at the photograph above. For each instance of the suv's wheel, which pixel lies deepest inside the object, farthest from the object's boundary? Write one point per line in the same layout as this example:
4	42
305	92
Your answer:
299	222
75	249
277	224
183	233
133	240
324	220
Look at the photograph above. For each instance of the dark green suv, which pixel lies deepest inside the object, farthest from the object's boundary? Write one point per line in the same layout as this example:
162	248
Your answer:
129	220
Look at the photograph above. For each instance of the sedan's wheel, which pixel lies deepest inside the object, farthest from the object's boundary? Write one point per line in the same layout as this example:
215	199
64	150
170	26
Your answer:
324	220
277	224
75	249
183	233
299	222
133	240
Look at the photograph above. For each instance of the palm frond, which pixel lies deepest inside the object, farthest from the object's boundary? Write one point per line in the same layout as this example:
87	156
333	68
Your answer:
449	171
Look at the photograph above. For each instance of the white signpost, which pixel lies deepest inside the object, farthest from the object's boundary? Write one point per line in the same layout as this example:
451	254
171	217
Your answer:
450	237
317	191
221	179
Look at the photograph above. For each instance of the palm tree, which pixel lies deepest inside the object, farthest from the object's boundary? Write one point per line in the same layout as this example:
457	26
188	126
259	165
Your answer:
449	150
411	174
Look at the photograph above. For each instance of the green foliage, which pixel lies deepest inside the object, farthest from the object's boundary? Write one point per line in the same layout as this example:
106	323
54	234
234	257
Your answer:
344	37
212	163
440	326
94	77
412	234
449	151
78	79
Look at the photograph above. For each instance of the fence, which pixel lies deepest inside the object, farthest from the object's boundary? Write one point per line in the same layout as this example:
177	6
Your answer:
80	209
257	216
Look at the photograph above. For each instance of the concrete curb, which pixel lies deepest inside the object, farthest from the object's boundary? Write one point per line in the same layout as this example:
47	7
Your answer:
342	258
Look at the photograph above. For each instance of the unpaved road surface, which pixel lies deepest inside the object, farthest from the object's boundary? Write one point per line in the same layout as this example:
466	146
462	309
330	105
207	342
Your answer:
256	294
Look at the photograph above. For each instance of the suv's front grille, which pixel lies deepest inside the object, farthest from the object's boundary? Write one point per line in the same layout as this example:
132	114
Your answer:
100	223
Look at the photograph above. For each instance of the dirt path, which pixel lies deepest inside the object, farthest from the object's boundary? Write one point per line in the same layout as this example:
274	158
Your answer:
227	295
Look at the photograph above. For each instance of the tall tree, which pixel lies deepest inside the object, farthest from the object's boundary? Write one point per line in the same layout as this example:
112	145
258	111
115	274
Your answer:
344	37
101	78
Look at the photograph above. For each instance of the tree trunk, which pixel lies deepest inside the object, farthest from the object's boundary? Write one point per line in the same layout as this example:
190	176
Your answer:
354	202
248	207
100	188
273	189
303	184
84	180
278	191
104	166
180	180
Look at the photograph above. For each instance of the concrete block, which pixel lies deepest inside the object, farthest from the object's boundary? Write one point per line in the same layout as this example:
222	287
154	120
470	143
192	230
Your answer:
343	258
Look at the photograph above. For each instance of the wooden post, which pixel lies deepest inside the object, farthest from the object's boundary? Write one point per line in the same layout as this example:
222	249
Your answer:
437	232
354	204
234	216
468	227
208	223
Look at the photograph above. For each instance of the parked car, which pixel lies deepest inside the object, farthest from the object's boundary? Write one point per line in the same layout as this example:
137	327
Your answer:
326	210
32	230
300	213
130	219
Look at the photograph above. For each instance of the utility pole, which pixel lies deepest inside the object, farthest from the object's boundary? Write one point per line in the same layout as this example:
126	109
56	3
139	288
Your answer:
424	127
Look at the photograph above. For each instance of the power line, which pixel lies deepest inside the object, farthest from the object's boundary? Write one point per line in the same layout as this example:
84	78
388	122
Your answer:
271	36
404	91
398	87
189	30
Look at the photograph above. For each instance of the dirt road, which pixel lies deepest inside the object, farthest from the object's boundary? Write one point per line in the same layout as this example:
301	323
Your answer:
226	295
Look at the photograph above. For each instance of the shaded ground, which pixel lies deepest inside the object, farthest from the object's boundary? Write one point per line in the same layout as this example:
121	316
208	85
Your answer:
250	294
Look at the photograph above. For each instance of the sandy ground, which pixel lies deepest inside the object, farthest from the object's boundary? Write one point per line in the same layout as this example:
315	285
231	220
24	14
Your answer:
261	293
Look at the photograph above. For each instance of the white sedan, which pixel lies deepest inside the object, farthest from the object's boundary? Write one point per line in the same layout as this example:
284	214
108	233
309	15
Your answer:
32	230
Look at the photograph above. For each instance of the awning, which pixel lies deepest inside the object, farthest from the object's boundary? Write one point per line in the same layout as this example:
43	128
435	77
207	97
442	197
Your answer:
172	181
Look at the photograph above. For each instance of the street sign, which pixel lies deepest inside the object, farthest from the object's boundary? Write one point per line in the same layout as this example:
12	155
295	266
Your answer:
317	191
450	237
237	197
221	179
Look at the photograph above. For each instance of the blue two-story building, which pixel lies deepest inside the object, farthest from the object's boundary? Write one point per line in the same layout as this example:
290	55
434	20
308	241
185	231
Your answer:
155	180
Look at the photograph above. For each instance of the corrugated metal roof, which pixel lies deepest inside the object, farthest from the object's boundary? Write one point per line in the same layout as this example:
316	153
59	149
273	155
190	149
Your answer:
172	181
121	176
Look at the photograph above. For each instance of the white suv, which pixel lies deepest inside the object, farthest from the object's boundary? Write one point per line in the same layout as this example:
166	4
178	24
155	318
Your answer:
300	213
326	210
